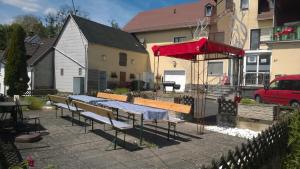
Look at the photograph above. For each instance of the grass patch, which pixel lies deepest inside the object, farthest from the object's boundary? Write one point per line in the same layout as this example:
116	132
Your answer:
246	101
36	103
120	91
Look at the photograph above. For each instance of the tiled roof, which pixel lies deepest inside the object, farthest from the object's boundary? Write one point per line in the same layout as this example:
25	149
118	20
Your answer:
38	49
172	17
34	50
108	36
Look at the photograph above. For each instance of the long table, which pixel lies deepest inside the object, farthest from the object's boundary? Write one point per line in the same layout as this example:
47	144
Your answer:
145	112
86	99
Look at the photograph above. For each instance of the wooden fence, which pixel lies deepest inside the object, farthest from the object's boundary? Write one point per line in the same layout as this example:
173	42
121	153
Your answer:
258	153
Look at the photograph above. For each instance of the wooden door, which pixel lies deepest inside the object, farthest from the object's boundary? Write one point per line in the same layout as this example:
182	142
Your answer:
122	78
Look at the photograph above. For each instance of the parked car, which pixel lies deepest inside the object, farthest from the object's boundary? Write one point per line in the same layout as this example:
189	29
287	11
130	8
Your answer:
283	90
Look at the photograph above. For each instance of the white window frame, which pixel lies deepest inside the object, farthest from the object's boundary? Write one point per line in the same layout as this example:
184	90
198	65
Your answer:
206	10
180	39
242	7
215	74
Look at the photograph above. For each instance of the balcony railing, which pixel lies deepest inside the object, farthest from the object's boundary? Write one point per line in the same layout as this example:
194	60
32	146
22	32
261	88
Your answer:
286	33
265	15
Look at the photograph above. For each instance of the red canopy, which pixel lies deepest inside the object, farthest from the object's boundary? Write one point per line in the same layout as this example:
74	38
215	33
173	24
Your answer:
189	50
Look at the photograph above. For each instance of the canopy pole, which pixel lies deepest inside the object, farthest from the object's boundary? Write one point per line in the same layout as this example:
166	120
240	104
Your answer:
203	94
157	73
198	99
154	74
191	76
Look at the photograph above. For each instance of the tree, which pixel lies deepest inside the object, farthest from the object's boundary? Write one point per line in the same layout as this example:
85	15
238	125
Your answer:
4	29
55	21
51	25
16	77
114	24
31	24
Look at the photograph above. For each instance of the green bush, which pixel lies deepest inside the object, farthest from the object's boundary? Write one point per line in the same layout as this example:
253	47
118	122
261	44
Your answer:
121	91
246	101
292	159
35	102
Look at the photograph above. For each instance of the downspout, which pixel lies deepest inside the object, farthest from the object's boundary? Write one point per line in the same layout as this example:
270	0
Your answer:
86	69
32	77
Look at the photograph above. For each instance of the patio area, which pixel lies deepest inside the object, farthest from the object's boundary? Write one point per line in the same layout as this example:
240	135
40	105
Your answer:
65	146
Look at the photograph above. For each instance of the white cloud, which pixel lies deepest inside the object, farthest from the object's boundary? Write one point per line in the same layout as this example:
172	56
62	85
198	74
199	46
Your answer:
5	18
25	5
50	10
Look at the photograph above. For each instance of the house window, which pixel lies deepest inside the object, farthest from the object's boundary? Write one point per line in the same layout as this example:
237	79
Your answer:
208	10
215	68
255	39
217	36
251	59
123	59
179	39
244	4
80	71
257	69
61	72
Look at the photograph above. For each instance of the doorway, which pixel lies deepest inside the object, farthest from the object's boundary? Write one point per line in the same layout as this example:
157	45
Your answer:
78	85
102	84
122	78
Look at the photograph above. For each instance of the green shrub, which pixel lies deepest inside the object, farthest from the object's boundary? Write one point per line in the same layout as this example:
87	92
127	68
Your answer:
247	101
121	91
292	159
35	102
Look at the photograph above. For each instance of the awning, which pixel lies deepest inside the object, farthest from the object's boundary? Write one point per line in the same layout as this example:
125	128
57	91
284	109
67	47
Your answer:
189	50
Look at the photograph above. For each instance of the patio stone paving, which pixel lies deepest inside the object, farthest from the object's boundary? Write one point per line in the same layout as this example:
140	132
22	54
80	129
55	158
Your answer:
68	147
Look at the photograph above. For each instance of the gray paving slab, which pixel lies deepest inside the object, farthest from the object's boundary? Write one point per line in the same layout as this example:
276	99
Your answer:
67	146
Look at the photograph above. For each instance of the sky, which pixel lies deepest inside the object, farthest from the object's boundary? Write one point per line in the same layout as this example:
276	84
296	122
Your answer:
102	11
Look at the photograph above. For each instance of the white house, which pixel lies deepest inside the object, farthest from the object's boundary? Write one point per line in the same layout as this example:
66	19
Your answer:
90	56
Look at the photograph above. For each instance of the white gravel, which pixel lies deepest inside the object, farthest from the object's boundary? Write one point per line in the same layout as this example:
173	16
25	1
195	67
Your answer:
243	133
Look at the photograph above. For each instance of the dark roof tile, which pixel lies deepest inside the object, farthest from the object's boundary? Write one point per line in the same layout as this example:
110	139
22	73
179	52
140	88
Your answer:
172	17
108	36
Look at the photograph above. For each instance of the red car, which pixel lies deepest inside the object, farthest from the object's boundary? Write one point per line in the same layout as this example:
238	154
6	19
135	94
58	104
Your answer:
283	90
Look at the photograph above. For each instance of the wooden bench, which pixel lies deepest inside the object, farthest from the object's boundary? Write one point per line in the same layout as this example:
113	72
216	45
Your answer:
175	107
63	103
110	96
104	116
116	97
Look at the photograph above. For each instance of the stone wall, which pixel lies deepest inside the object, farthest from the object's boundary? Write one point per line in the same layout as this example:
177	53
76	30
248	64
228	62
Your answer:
259	111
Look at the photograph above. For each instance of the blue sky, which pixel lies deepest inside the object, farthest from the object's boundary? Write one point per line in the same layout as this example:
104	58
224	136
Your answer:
99	10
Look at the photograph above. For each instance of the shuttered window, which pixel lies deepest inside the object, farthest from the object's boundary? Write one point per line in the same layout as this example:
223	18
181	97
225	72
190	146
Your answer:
215	68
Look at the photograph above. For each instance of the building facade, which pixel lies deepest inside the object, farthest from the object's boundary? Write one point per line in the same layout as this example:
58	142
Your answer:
90	57
176	24
261	29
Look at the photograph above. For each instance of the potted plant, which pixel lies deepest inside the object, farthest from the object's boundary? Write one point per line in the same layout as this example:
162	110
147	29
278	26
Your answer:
113	75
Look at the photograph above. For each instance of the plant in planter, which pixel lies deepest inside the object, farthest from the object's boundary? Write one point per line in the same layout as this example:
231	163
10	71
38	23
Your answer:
132	76
113	75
